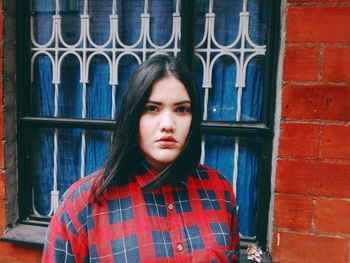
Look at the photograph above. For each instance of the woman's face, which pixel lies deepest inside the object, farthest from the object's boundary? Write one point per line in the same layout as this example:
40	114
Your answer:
165	122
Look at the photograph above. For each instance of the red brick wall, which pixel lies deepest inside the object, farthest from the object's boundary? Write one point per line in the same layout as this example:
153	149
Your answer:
312	195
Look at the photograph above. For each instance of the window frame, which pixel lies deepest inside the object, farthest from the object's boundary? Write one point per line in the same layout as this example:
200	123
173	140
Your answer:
263	129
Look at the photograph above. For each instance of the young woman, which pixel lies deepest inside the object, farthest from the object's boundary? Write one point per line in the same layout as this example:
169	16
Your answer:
152	202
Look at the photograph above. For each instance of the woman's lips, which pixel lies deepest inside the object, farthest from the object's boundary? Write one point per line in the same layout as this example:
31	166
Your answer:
166	141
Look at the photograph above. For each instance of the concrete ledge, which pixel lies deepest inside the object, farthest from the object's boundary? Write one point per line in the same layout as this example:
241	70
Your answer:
28	235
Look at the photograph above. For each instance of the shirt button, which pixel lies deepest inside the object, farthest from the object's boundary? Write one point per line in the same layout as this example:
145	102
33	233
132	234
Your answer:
170	206
180	247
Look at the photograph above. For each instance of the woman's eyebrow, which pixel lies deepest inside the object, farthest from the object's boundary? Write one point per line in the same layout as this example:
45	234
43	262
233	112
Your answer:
154	102
183	102
176	103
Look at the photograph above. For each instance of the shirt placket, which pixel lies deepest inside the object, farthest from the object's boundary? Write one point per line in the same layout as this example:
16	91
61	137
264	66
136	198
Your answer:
175	225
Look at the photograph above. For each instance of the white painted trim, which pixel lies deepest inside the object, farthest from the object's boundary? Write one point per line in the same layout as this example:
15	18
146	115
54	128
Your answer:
277	121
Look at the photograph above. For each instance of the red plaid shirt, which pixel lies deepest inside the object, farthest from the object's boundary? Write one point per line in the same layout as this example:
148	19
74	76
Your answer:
194	221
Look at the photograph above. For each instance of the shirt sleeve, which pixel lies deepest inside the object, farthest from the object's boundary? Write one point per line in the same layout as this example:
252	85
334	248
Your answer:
234	235
63	242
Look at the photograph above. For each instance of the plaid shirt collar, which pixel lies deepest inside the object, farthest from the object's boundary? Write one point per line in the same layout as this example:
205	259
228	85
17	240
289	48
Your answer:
146	173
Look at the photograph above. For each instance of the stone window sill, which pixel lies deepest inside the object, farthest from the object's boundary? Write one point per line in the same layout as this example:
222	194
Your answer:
29	235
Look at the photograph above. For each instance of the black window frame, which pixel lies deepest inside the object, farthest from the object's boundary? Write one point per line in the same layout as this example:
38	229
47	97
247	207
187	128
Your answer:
263	129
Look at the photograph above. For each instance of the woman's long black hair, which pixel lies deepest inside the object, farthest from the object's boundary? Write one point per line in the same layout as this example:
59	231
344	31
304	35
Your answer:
125	154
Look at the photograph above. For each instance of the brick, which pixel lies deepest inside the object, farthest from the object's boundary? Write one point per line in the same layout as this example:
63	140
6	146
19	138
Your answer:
293	211
335	141
2	187
316	102
296	248
17	253
332	216
318	24
299	140
1	123
301	63
313	177
2	216
2	164
1	63
1	95
336	63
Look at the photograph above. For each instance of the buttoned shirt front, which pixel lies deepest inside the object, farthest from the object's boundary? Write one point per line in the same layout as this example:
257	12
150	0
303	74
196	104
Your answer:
194	221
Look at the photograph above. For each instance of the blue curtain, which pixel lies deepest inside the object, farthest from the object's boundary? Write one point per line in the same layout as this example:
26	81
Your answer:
222	105
42	148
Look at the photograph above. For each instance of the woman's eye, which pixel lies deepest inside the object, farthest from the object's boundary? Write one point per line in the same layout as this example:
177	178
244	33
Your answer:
183	109
151	108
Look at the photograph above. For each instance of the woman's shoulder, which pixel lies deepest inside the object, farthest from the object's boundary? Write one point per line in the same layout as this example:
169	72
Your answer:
214	180
208	173
81	188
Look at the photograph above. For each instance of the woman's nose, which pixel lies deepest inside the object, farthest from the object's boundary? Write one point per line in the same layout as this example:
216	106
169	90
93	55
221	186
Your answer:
167	121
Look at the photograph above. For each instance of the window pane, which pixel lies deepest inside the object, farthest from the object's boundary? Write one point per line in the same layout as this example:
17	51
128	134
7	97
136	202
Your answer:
130	20
42	12
127	65
252	95
97	148
42	163
43	91
99	21
70	90
222	104
238	158
259	11
160	12
68	157
230	47
99	92
78	153
226	24
70	15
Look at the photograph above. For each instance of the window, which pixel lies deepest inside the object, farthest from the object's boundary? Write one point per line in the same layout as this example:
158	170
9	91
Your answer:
77	56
